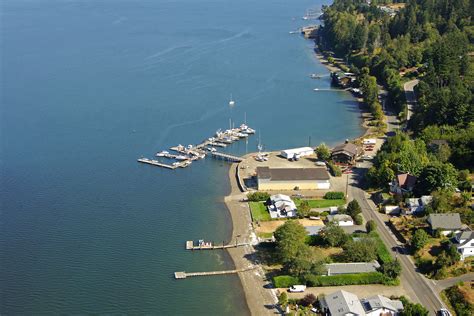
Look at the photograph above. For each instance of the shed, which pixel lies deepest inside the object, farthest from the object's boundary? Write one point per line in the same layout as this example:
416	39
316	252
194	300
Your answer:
297	152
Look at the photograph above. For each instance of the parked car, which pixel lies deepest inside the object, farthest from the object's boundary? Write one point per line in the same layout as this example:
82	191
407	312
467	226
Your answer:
444	312
297	288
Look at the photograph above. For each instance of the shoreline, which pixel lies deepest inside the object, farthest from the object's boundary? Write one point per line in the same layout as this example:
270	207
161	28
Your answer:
260	296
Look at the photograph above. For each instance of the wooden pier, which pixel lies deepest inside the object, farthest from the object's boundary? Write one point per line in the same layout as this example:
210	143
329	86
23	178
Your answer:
228	157
209	246
184	275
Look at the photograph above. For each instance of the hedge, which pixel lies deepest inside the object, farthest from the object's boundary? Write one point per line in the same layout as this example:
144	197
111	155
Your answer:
335	170
258	196
345	279
334	195
332	280
285	281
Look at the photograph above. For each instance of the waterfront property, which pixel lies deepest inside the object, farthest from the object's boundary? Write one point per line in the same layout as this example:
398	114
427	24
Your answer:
281	206
297	152
269	179
342	303
445	223
345	153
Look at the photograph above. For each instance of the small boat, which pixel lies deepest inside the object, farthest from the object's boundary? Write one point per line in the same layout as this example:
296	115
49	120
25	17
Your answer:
316	89
181	157
211	149
162	153
242	135
231	102
315	76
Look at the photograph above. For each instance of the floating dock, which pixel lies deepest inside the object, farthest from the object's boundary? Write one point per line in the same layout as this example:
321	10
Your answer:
157	163
209	246
184	275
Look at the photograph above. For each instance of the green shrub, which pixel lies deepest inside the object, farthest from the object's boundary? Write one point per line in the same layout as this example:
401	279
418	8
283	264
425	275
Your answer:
358	219
459	303
334	169
285	281
258	196
345	279
333	195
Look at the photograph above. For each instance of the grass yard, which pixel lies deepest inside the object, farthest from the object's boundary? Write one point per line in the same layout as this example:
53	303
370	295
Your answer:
259	212
321	203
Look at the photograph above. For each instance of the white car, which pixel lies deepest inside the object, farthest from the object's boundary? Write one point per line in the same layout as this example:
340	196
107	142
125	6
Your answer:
320	163
297	288
444	312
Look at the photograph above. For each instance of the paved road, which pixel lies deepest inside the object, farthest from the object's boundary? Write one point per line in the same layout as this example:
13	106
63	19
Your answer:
410	96
417	286
443	284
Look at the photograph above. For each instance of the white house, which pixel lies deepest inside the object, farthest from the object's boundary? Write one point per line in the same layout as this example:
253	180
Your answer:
343	303
297	152
380	305
416	205
281	206
465	243
341	219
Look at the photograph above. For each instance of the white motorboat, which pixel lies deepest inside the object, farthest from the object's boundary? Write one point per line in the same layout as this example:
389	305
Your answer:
181	157
162	153
231	102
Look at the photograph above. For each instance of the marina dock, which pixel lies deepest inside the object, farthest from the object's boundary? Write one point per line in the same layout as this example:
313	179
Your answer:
190	153
184	275
209	246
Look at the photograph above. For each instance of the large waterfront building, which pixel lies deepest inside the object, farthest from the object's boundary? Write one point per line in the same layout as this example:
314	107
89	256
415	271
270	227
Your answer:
270	179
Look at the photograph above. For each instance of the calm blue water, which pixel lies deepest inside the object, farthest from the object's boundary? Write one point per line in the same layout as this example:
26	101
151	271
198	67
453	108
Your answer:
87	87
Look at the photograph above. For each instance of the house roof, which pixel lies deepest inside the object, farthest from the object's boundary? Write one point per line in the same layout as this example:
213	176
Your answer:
346	148
438	142
378	302
339	217
467	236
351	267
406	180
445	221
341	303
313	230
292	174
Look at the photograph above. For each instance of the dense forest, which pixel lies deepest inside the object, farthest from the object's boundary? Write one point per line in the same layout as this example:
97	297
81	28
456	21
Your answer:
391	43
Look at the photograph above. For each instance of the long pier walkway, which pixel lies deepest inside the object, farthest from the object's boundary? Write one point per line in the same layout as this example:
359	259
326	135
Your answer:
228	157
184	275
210	246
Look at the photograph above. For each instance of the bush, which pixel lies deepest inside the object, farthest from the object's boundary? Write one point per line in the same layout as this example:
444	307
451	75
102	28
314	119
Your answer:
358	219
285	281
370	226
458	301
334	195
334	169
308	299
345	279
258	196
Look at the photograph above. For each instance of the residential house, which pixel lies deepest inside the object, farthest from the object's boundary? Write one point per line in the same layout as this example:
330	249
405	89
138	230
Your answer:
380	305
292	178
403	183
341	219
343	303
417	205
345	153
351	267
465	243
343	79
281	206
446	223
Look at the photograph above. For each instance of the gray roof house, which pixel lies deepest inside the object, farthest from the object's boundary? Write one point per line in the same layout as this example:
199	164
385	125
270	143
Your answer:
381	305
351	267
342	303
445	222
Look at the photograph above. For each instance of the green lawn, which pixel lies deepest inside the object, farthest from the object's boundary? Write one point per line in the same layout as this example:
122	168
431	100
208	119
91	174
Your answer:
259	212
265	235
321	203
